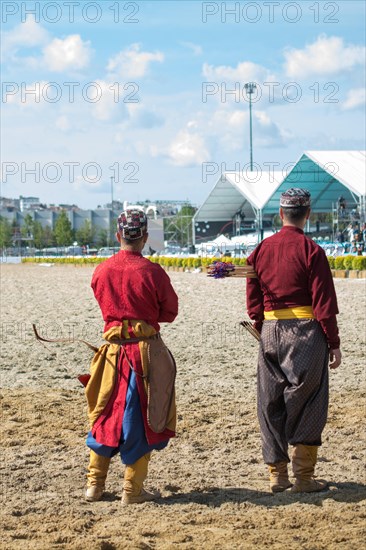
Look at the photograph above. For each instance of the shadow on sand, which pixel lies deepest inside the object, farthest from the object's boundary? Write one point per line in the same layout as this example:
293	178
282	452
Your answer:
215	497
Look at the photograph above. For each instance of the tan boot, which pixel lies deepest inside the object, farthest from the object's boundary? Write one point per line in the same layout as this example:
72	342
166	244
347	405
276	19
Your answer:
303	465
98	469
278	477
135	475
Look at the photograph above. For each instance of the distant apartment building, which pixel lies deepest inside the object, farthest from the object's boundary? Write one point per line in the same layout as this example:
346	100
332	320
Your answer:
99	218
27	203
9	204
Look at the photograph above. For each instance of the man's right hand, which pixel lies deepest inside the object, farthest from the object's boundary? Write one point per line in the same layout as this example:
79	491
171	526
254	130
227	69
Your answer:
335	358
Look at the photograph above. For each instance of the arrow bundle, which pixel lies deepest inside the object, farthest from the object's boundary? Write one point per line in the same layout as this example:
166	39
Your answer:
219	270
249	327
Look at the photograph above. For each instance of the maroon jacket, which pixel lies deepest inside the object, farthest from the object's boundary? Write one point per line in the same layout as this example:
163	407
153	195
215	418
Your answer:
292	271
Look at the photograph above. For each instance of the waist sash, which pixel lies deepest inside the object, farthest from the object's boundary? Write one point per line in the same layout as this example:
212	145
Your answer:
300	312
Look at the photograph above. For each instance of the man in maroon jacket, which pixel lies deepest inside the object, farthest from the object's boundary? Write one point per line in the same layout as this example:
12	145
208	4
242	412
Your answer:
293	304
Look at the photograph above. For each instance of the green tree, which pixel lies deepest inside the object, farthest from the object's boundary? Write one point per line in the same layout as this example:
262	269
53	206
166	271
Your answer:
179	227
38	235
5	233
48	236
85	235
63	230
27	227
102	237
112	232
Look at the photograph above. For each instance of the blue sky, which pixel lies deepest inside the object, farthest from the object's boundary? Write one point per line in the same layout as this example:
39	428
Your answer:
149	120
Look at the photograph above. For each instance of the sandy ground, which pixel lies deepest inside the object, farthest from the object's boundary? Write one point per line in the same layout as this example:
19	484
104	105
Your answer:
213	482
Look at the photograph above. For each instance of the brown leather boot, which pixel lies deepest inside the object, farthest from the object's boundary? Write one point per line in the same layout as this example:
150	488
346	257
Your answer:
98	469
278	477
303	464
135	475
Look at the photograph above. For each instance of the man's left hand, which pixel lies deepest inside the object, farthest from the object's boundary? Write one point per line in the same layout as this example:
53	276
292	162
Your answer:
335	358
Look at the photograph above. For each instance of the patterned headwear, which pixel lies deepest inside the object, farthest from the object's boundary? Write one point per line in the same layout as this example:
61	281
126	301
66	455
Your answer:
132	224
294	197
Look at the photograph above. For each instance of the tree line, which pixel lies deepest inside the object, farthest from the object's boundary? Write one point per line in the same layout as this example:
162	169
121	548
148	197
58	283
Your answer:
177	228
34	234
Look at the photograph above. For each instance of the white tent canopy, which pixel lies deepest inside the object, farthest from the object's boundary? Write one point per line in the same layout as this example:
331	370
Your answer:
235	192
348	167
221	240
327	175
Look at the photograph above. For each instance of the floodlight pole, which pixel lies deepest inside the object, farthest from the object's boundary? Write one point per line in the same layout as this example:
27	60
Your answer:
250	87
111	219
112	179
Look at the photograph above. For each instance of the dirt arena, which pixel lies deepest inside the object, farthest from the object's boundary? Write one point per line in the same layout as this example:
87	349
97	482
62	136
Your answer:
213	482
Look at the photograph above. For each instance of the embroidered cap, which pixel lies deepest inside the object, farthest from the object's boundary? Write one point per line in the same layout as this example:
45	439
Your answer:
132	224
294	197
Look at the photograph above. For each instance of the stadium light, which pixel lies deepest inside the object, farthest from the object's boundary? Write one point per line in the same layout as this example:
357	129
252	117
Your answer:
112	180
250	87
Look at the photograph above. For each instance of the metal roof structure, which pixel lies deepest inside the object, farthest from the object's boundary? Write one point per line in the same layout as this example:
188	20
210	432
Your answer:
327	175
235	192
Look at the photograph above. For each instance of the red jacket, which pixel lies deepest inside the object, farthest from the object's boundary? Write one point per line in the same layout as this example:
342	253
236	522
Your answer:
129	286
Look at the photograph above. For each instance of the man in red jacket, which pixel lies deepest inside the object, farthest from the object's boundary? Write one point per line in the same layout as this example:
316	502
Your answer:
134	296
293	304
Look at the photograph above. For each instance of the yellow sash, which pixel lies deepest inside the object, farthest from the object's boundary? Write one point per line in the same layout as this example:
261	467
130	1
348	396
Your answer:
300	312
103	369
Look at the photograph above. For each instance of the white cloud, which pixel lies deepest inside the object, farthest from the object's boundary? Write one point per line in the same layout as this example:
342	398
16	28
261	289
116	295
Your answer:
104	106
226	129
187	149
195	48
25	35
229	130
70	53
246	71
263	118
355	98
132	62
325	56
222	132
58	54
268	133
26	94
63	123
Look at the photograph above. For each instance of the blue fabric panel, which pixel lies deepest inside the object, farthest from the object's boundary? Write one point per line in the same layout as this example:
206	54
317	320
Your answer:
133	444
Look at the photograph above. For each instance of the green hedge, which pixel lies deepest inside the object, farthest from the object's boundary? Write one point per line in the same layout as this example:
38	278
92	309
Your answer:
359	262
190	263
92	260
341	262
165	261
348	262
331	262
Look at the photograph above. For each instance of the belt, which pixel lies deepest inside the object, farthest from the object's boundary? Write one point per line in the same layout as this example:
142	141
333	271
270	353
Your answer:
300	312
135	340
94	348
